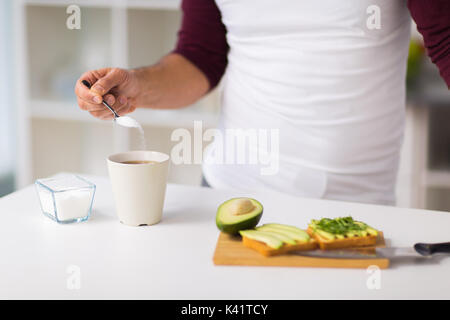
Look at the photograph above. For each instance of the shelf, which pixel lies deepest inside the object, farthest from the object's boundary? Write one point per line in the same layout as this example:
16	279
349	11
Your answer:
120	33
139	4
58	56
69	111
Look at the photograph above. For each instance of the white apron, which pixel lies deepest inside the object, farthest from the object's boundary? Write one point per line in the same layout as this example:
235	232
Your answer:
332	85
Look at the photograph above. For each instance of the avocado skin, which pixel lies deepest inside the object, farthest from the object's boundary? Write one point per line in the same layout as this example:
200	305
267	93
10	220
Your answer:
234	228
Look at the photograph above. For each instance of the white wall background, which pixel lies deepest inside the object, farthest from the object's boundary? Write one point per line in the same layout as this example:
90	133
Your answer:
6	108
53	135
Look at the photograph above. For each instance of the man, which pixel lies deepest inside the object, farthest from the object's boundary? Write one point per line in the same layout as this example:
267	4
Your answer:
328	75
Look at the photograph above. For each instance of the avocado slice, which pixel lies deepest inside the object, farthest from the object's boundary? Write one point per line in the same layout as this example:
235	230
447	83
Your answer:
326	235
284	226
292	232
238	214
262	236
323	234
283	237
352	234
371	231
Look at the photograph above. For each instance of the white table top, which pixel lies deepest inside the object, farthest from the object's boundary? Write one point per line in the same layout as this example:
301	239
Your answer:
173	259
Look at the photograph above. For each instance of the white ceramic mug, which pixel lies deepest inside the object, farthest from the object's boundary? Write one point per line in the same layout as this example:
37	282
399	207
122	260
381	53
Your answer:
139	189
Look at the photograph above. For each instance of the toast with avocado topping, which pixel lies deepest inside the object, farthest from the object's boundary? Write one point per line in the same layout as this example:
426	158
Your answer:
342	233
275	239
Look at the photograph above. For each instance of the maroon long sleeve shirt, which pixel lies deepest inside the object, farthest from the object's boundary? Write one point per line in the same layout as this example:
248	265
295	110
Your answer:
202	37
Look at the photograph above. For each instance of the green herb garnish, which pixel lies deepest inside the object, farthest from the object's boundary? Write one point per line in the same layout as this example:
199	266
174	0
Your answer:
339	225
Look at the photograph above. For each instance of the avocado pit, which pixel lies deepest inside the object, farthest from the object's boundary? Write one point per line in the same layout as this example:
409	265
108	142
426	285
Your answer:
241	206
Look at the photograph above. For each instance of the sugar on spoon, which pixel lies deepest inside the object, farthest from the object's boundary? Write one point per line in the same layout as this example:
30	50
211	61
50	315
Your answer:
123	121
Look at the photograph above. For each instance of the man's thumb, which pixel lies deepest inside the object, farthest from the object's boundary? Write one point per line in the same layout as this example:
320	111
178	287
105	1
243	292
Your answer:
112	79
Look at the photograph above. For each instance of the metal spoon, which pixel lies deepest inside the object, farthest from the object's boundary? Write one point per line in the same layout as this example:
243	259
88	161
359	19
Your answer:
124	121
88	85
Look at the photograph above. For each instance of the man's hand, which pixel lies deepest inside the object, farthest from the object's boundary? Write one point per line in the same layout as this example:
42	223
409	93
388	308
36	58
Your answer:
118	87
174	82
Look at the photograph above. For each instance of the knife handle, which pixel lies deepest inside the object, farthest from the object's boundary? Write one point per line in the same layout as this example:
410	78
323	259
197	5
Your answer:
427	249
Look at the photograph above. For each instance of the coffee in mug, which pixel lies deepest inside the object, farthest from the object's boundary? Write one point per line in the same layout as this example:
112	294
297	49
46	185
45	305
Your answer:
139	162
138	180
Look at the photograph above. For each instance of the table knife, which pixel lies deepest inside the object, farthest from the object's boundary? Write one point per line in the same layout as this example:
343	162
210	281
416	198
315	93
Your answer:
419	250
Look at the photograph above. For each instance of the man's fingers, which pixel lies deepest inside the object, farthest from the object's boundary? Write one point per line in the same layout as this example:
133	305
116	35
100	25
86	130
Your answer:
89	106
126	109
110	99
121	106
103	85
103	112
102	81
123	110
92	77
85	94
111	79
103	115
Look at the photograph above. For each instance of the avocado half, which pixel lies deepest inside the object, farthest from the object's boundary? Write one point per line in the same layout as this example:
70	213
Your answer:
230	220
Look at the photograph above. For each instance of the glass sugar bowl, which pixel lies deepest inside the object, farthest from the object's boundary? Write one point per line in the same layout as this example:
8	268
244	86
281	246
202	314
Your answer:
66	198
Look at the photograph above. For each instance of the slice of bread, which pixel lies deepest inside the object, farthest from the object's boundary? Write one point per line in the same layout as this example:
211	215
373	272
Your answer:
326	244
267	251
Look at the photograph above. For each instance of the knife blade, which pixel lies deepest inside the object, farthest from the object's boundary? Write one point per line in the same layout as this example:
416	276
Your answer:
419	250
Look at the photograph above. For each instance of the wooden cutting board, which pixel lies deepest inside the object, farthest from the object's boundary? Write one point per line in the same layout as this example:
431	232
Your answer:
230	251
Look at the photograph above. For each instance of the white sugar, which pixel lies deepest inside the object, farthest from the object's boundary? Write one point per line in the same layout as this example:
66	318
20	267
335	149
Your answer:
70	205
129	122
126	121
